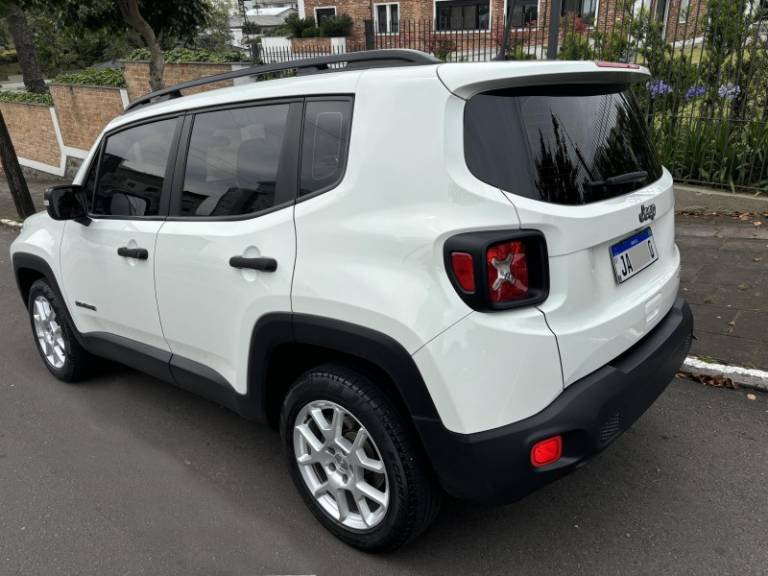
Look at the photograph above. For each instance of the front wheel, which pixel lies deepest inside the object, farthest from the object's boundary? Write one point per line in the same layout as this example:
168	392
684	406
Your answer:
355	461
54	336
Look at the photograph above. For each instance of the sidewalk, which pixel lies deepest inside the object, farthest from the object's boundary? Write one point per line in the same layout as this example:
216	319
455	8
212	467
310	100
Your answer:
37	187
725	279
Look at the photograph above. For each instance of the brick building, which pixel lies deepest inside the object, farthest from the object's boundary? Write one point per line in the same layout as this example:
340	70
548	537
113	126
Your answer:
682	18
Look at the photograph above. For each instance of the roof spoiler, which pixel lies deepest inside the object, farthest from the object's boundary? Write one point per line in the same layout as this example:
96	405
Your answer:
467	80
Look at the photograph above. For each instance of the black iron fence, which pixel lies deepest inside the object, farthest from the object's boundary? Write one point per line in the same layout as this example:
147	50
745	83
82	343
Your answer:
706	100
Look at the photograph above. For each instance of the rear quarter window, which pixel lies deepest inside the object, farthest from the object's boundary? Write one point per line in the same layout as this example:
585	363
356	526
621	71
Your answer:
568	144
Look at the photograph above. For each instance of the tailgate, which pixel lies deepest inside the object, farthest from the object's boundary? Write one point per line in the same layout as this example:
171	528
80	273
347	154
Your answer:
575	160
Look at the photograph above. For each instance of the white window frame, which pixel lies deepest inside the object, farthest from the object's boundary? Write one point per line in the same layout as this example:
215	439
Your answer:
682	14
389	18
335	12
434	20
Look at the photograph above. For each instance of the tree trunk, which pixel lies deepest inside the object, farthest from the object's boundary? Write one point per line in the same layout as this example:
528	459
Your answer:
16	181
25	49
130	11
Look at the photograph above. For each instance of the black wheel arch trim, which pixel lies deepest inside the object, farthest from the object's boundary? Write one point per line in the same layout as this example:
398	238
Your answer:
25	261
275	329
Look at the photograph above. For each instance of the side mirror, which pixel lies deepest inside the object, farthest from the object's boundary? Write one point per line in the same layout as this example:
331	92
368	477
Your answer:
66	202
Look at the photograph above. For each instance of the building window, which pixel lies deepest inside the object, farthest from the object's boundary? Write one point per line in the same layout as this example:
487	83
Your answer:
584	9
387	18
323	14
462	15
685	7
525	13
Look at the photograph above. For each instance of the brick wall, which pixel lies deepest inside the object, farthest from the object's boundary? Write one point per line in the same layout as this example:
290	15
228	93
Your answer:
137	76
84	111
311	45
694	22
359	10
32	132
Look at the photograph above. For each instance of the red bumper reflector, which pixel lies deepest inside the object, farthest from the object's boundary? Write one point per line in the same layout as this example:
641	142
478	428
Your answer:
547	451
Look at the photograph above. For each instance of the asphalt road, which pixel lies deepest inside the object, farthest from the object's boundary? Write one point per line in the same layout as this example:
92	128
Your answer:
125	475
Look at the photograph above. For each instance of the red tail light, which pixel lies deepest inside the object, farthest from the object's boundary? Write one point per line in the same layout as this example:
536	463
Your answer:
507	271
547	451
463	269
498	270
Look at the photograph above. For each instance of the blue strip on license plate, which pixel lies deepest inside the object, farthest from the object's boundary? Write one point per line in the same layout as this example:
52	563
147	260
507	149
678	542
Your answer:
625	245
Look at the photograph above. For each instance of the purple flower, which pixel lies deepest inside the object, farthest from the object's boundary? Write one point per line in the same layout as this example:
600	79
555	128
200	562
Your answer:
694	92
658	88
729	91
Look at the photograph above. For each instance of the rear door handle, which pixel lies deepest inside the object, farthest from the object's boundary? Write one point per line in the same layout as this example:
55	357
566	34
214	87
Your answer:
262	264
137	253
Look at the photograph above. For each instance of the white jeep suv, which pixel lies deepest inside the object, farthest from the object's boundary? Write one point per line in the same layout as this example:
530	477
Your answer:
430	277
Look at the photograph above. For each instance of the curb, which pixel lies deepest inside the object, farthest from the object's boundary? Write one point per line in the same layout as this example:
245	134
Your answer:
11	223
699	199
743	377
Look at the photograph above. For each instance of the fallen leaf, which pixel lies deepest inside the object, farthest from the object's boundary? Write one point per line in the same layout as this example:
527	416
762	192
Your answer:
732	323
751	397
718	381
743	286
757	223
757	259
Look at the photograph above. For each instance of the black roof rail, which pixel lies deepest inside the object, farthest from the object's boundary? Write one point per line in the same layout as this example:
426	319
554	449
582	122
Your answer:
303	66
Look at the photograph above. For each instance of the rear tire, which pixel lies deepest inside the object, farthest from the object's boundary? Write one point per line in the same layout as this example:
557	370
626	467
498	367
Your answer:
53	333
354	460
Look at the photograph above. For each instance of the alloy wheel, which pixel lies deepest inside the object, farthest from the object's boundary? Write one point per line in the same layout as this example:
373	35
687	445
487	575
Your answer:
48	332
341	465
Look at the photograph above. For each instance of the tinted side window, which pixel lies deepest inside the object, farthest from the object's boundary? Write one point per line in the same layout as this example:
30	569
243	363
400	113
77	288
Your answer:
132	170
325	144
562	144
233	161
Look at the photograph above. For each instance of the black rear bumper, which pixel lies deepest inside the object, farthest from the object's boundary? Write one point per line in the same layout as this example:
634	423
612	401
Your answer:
495	466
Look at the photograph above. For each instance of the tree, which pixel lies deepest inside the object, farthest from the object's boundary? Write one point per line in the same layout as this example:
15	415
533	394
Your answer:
25	48
132	15
16	182
157	24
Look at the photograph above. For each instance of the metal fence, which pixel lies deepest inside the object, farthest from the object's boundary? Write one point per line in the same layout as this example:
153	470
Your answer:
706	101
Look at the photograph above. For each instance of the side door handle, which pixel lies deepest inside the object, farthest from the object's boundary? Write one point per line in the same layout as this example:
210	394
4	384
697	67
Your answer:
137	253
262	264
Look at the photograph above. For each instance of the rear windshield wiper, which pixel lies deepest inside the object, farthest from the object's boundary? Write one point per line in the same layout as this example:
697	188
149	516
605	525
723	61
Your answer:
619	179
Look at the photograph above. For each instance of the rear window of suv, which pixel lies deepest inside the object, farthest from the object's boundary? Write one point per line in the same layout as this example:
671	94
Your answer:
565	144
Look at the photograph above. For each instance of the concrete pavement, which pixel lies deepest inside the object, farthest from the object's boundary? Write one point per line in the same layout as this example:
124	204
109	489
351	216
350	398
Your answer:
126	475
725	279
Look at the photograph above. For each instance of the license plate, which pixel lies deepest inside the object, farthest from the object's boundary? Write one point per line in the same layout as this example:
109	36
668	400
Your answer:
633	255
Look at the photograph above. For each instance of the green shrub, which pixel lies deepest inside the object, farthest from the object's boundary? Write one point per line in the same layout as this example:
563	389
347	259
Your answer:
93	77
337	26
575	47
313	32
297	26
183	55
25	97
